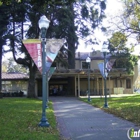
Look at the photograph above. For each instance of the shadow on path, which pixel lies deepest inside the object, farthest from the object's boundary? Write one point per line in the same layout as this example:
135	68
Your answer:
80	121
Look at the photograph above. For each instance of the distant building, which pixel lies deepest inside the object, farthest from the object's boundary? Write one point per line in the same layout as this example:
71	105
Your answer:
118	81
14	82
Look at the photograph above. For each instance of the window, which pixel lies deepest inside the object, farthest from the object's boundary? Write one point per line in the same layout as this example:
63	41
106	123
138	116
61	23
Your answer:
128	83
84	65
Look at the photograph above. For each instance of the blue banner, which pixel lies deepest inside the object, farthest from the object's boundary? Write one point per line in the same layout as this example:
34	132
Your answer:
50	72
108	67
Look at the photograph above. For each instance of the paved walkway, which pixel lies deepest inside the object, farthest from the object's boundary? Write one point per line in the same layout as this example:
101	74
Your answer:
80	121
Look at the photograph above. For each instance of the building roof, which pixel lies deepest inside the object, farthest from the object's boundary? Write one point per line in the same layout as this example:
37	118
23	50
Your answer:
14	76
96	55
65	73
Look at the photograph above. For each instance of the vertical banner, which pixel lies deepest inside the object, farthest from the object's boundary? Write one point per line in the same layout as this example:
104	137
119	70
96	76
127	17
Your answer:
108	67
34	48
101	68
50	72
52	48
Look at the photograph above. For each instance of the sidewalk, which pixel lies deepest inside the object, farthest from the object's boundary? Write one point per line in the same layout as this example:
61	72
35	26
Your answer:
112	95
80	121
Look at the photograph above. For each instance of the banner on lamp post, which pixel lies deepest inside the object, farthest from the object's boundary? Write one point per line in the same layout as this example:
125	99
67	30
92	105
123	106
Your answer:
101	68
52	48
34	48
50	72
108	67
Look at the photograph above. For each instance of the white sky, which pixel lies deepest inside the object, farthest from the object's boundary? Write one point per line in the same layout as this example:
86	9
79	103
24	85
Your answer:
113	8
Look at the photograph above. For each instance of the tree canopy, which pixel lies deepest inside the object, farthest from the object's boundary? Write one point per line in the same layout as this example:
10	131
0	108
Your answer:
11	66
69	19
119	49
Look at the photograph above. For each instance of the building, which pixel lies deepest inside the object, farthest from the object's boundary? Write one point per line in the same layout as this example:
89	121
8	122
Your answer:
74	82
118	81
14	83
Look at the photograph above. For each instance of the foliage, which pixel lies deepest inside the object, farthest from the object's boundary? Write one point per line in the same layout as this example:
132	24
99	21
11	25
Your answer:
120	50
131	16
12	66
127	24
4	66
128	21
3	30
117	42
20	118
124	107
92	13
68	19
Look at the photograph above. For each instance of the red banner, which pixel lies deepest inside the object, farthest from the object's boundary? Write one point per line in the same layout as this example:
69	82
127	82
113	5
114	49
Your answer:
52	48
34	48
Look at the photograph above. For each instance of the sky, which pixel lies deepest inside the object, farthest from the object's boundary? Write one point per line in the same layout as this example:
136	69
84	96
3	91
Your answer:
113	8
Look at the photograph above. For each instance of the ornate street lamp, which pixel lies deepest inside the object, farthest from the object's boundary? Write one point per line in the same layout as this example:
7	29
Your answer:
43	25
88	60
104	50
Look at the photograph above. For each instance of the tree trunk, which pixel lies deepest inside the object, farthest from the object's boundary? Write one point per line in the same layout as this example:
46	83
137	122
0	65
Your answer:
31	83
71	54
71	41
0	67
71	60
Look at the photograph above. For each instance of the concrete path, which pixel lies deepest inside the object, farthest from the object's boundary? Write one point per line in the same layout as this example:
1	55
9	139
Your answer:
80	121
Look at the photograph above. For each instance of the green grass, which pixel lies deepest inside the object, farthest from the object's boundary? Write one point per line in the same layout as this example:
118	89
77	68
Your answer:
125	107
19	119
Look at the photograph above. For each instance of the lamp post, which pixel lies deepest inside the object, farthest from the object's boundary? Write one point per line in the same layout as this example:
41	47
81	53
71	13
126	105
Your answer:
104	50
88	60
43	25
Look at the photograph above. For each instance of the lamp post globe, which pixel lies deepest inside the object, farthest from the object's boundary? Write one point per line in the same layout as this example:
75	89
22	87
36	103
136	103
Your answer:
88	60
104	50
105	47
43	25
43	22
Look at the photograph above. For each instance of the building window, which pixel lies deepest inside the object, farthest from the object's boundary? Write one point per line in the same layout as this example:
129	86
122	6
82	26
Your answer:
84	65
128	83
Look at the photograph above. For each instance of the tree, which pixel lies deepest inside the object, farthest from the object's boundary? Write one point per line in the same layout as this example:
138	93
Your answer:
12	66
131	18
3	30
124	27
128	20
119	50
4	66
73	21
16	12
66	22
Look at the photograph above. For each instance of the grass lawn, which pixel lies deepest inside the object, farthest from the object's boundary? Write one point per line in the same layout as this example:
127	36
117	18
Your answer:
125	107
19	119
